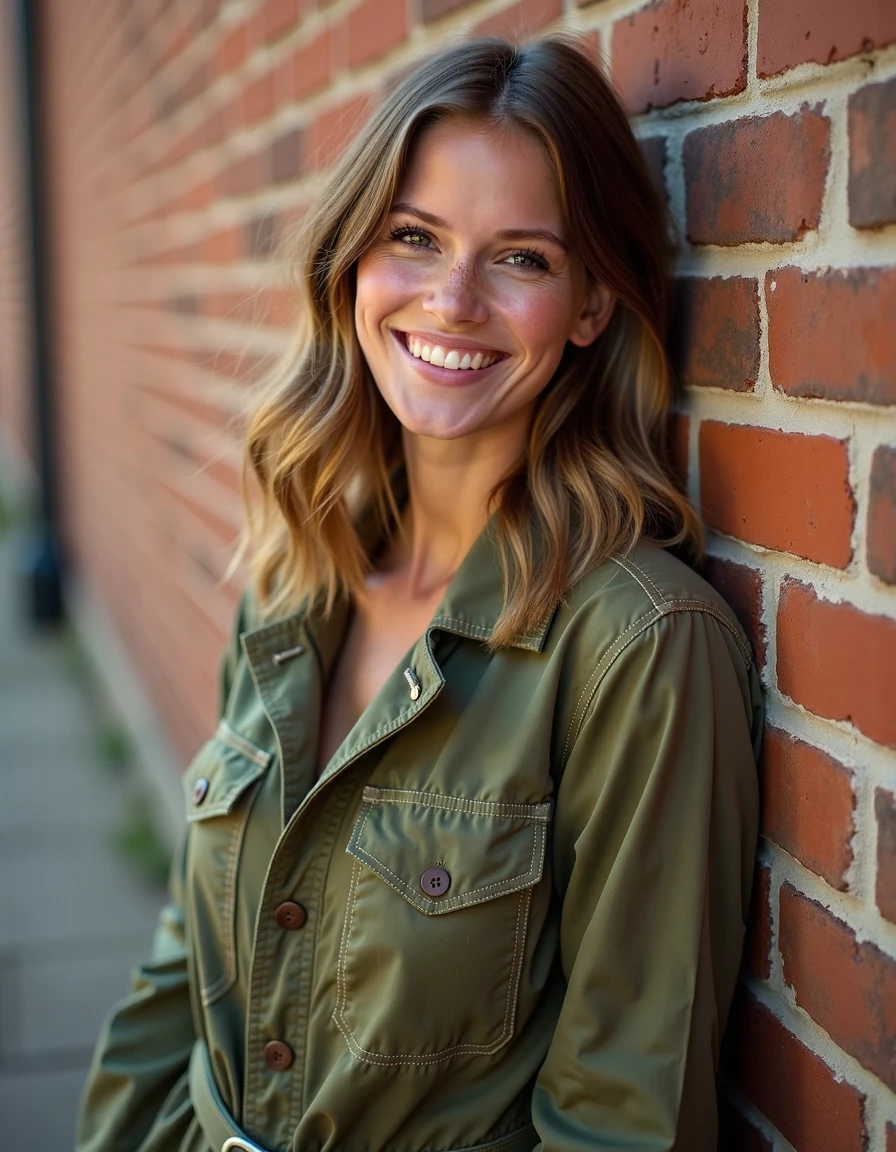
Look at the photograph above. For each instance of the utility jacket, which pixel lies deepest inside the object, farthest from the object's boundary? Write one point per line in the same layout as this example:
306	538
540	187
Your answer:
509	914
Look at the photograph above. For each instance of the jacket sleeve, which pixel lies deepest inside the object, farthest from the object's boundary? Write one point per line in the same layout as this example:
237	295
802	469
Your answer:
136	1097
655	837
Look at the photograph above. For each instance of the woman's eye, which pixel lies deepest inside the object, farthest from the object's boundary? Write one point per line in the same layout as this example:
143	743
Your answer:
413	237
527	259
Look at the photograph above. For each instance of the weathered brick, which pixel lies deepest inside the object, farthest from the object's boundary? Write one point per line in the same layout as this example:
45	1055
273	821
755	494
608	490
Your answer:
374	27
847	987
881	528
287	155
793	1087
675	50
837	661
885	889
436	9
780	490
223	247
758	178
242	176
742	589
277	17
653	149
872	155
808	805
736	1133
716	332
832	334
232	50
262	234
258	99
521	19
311	66
333	130
795	32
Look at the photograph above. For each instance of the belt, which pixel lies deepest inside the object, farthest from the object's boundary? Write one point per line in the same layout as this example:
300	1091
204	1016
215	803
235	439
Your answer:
220	1128
223	1132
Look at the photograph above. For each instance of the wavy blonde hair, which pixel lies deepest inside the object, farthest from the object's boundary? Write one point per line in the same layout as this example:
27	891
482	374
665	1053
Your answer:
322	448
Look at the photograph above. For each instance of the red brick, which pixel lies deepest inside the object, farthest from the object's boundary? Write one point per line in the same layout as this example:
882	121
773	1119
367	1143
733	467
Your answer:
891	1138
795	32
310	67
287	156
675	50
847	987
258	99
518	21
808	805
736	1133
277	17
334	129
374	27
223	247
872	155
885	812
837	661
242	176
742	589
760	178
716	332
780	490
653	149
232	50
881	532
789	1084
436	9
832	334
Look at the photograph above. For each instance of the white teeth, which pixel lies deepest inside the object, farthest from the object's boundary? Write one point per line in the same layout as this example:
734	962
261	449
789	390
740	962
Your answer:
452	358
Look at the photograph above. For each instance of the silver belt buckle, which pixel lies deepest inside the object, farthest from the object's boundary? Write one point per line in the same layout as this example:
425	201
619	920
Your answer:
238	1144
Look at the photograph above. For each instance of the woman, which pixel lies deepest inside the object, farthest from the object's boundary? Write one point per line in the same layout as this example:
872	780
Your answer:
470	851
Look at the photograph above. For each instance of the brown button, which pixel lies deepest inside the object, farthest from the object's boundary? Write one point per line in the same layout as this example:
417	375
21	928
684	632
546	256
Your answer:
291	916
278	1055
200	790
435	882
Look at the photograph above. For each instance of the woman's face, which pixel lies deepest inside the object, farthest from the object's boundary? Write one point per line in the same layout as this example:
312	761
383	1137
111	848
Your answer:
466	299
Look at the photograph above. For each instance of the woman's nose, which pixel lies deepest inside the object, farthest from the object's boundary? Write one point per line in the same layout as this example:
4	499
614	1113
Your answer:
456	296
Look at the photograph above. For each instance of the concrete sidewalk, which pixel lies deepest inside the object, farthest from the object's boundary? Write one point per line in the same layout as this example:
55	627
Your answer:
74	916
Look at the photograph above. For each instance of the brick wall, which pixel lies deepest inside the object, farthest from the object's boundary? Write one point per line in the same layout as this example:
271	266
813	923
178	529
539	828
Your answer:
185	134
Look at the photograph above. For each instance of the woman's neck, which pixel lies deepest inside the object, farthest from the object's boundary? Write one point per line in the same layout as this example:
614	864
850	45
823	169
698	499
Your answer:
449	485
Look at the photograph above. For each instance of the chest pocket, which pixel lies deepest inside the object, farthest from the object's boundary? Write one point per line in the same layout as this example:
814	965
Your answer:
219	787
434	939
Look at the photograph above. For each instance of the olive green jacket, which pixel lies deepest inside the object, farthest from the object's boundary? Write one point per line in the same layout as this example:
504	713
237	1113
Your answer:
509	914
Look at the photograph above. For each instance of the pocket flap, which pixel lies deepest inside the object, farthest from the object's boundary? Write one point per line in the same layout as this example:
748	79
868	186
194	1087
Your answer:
221	771
486	847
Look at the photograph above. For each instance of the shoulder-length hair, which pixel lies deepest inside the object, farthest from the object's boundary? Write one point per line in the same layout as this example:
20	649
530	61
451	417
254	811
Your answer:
322	447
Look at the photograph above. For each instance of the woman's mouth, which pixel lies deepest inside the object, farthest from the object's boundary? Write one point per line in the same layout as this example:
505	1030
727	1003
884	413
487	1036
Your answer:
444	356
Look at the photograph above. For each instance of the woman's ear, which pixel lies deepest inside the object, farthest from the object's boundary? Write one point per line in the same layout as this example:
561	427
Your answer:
597	308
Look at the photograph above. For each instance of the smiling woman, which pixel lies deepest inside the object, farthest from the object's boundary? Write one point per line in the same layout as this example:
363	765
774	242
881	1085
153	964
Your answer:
470	851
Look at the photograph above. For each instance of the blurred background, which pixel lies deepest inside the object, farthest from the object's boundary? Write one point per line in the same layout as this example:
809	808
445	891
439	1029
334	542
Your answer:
151	152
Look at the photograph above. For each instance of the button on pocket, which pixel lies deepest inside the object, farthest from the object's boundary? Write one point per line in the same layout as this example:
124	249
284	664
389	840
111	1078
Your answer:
218	787
446	941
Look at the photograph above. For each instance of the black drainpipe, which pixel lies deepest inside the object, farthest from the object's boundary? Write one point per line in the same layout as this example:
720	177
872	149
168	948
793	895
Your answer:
43	562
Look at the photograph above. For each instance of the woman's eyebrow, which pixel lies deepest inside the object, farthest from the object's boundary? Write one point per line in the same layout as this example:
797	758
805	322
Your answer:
504	234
